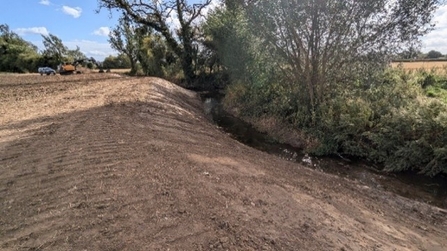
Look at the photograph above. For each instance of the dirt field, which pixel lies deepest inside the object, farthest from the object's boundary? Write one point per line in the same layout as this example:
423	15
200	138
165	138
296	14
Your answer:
104	162
428	65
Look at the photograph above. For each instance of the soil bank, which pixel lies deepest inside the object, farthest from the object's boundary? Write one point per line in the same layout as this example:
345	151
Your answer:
115	163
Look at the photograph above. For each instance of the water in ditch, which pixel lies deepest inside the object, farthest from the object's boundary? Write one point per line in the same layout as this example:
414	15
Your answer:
410	185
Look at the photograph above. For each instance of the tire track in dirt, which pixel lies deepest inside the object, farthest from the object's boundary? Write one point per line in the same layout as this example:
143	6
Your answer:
51	178
79	151
68	169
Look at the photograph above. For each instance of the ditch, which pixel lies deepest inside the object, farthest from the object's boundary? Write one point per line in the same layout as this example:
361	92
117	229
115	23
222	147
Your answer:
407	184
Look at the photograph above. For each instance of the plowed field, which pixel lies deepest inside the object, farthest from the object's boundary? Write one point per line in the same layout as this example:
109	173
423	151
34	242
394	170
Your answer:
104	162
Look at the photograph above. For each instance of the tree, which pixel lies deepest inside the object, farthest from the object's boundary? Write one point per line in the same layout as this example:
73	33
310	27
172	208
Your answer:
154	56
56	52
410	53
325	45
17	55
75	54
227	34
116	62
54	48
123	39
159	15
434	54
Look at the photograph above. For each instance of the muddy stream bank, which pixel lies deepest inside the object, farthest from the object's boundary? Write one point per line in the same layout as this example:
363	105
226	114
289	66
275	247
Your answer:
409	185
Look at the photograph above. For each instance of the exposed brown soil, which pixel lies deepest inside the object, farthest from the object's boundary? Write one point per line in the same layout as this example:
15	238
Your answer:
103	162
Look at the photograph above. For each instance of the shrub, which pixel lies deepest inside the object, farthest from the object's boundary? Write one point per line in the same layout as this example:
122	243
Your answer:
392	122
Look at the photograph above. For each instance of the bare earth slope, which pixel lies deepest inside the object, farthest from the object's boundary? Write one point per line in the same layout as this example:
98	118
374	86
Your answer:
88	163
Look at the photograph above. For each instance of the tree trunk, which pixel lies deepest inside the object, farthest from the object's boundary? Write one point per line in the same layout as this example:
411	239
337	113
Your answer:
187	64
133	66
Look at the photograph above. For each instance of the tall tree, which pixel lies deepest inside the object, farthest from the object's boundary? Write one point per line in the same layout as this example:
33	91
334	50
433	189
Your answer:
75	54
152	54
54	48
123	38
160	16
227	34
57	52
325	43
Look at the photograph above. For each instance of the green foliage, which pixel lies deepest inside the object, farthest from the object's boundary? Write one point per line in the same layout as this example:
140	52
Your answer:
392	124
227	33
124	39
116	62
153	55
326	47
434	85
322	67
234	49
56	52
17	55
434	54
159	17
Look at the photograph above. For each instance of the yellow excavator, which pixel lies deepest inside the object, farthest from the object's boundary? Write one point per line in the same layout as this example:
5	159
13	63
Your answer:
70	68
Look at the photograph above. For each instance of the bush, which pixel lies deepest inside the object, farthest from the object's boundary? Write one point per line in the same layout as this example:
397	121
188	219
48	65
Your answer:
392	123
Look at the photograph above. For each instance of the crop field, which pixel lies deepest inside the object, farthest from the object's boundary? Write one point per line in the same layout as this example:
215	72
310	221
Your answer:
426	65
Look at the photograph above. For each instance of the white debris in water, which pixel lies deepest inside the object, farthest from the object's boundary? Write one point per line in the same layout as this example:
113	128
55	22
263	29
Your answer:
307	159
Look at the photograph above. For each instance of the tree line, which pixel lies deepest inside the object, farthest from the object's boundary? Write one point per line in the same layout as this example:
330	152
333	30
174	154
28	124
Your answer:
21	56
416	54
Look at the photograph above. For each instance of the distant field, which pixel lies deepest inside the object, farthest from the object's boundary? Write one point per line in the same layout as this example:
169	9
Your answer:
120	70
428	65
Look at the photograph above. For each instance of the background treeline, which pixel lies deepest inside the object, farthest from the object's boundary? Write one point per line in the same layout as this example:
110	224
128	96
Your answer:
20	56
16	54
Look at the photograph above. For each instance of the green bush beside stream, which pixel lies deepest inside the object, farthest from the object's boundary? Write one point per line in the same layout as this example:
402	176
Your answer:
400	123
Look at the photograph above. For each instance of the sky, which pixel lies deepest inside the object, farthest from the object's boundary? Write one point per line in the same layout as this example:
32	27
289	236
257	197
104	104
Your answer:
75	22
78	24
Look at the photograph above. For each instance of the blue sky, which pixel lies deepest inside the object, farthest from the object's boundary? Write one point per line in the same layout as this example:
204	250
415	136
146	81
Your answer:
75	22
78	24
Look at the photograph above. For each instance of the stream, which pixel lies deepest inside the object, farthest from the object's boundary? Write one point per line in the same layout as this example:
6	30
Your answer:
409	184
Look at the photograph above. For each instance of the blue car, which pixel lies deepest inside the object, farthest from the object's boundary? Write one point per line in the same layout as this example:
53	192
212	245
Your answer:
46	70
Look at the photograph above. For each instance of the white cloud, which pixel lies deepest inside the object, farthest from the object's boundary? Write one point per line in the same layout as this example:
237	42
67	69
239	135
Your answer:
72	11
92	48
437	39
102	31
32	30
45	2
214	4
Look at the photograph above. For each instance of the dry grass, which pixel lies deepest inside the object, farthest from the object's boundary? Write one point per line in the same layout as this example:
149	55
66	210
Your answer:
425	65
121	71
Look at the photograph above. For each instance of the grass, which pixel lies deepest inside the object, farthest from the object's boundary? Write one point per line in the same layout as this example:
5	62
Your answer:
120	70
432	74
